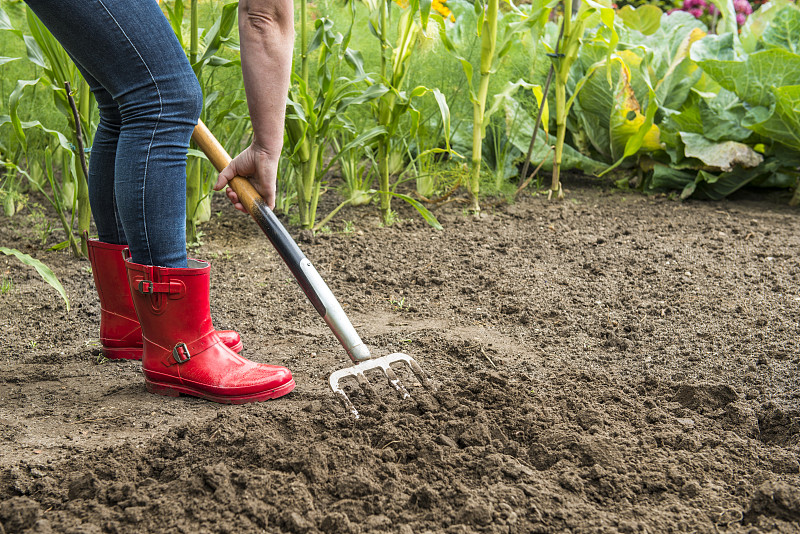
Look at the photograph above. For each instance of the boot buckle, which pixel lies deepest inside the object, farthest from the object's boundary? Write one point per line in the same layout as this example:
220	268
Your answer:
146	287
181	353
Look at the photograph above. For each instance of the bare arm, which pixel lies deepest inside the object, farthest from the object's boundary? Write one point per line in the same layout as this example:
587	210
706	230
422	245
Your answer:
266	33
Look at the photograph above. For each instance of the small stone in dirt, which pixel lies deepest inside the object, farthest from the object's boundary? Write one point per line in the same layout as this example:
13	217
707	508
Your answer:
86	486
355	485
784	462
685	422
134	514
377	522
569	480
306	236
294	522
313	407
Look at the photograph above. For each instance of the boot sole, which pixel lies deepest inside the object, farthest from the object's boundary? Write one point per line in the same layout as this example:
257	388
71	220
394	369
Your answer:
170	390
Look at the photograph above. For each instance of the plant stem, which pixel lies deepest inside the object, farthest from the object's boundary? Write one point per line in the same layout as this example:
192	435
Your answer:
304	41
193	32
488	43
561	130
478	110
562	72
84	210
384	115
524	175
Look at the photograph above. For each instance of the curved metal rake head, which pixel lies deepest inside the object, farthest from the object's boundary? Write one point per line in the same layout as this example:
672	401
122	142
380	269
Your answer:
384	364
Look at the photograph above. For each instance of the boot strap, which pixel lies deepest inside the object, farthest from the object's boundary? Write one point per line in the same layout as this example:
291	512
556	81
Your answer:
182	352
148	287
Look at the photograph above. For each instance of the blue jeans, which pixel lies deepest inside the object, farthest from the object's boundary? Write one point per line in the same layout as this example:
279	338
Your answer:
149	102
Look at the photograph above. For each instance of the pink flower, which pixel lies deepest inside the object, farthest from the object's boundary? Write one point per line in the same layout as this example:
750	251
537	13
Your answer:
713	9
696	12
740	18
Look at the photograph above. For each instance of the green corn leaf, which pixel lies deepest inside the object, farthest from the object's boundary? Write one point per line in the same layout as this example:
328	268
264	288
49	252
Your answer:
217	34
175	13
5	22
5	59
424	13
13	104
43	270
34	52
444	110
429	217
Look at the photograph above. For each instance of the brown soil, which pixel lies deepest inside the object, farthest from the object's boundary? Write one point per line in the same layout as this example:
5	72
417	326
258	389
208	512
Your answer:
610	363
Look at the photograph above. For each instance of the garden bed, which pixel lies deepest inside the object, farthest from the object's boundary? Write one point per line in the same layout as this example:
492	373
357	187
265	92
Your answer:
610	363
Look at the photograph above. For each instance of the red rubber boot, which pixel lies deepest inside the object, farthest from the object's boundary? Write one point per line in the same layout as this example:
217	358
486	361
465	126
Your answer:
182	351
120	333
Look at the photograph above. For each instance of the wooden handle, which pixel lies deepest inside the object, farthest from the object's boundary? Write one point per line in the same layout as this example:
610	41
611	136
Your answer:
220	159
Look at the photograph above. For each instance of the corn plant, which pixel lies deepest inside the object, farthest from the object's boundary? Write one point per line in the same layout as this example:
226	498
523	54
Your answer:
58	69
358	171
315	112
397	105
564	54
455	41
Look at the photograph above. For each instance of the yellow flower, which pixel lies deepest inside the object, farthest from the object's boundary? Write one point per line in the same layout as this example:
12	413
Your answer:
439	6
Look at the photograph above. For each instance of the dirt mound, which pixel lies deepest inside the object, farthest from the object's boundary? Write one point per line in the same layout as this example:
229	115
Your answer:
607	364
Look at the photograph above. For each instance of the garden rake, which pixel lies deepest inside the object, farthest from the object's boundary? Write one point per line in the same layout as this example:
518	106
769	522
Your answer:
312	284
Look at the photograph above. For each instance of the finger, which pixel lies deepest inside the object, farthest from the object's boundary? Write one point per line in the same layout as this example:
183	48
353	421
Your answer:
225	176
232	196
269	198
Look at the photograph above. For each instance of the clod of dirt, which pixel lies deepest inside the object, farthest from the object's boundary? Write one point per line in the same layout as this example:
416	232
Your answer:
777	499
19	513
705	397
475	512
338	523
85	486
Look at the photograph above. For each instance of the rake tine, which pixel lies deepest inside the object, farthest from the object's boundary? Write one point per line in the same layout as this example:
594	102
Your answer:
395	382
368	389
348	404
419	373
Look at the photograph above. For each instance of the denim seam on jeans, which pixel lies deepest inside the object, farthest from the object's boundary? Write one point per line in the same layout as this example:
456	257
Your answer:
155	127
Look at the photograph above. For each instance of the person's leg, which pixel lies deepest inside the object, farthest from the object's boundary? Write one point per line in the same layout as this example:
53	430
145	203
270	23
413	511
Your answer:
128	48
101	166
